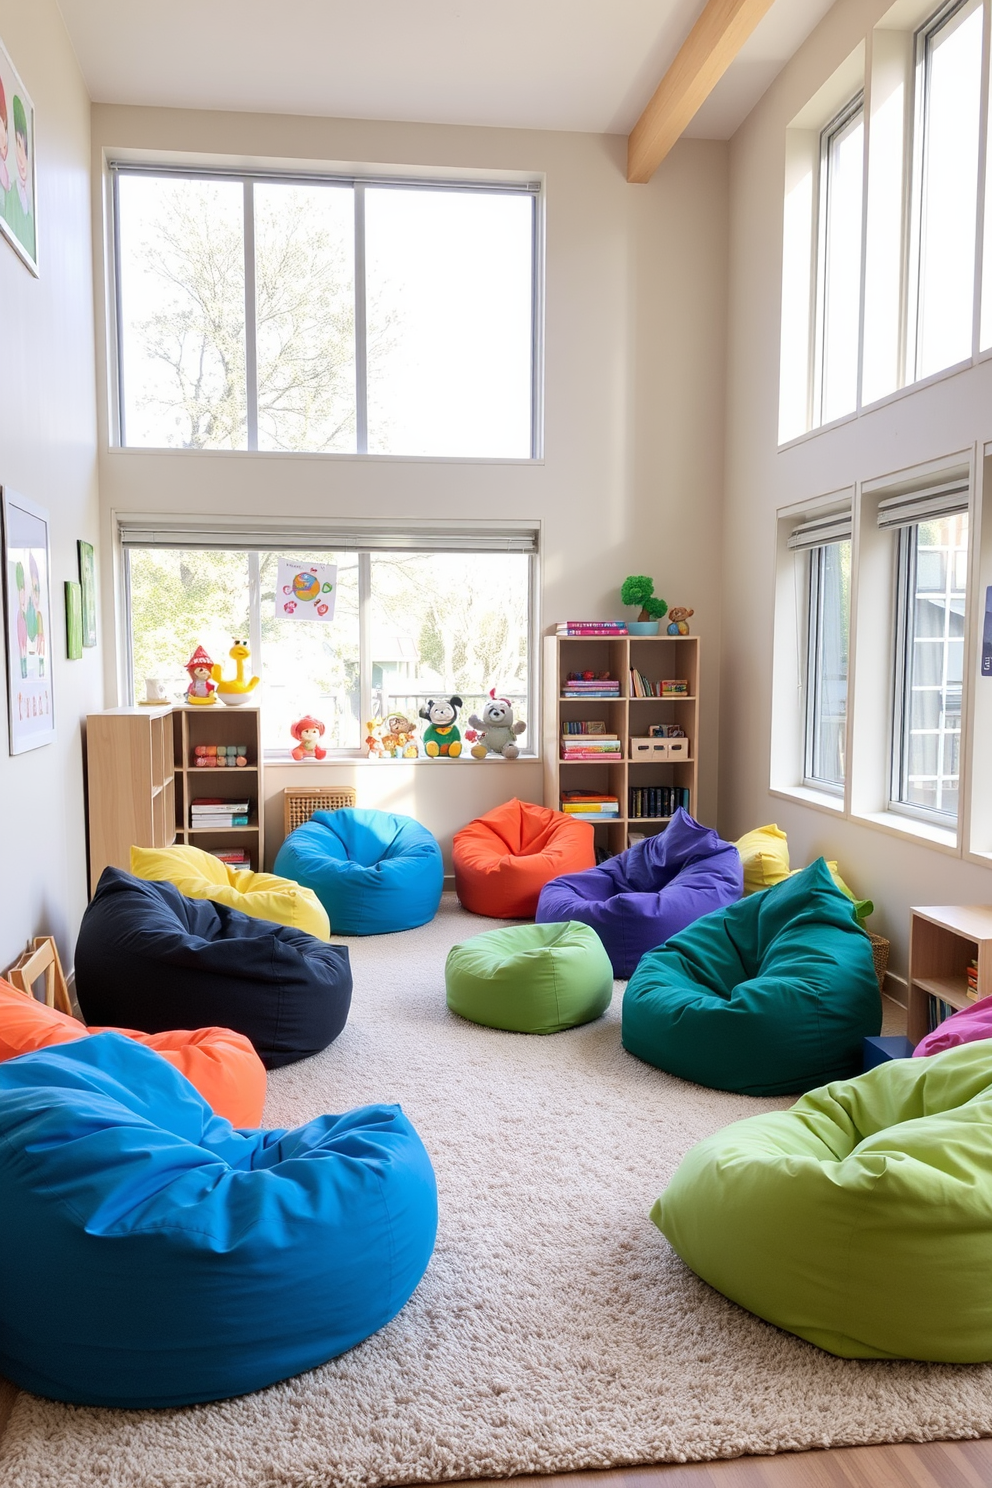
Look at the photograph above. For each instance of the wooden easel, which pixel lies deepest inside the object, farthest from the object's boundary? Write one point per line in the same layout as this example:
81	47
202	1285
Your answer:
42	960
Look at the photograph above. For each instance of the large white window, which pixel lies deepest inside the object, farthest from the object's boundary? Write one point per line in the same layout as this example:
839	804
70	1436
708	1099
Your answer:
945	188
325	314
930	620
838	292
408	626
826	666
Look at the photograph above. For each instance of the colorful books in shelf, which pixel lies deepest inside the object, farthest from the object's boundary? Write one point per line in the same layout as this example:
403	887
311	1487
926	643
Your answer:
656	800
232	857
642	687
210	813
937	1011
590	629
591	747
972	981
586	726
590	687
591	806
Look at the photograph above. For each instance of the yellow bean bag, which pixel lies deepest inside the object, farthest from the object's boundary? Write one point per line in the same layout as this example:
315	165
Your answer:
264	896
765	856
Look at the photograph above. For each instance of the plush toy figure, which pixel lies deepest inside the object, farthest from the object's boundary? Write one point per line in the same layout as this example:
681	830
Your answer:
307	731
400	738
442	735
678	620
373	739
495	731
201	688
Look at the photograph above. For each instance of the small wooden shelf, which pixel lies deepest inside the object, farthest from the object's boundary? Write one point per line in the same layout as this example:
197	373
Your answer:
949	989
943	940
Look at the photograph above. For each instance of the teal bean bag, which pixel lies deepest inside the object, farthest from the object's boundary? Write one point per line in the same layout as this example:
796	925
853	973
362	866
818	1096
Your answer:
861	1219
770	996
530	978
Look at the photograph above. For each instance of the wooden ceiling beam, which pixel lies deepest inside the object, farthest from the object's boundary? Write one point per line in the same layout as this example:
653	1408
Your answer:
704	57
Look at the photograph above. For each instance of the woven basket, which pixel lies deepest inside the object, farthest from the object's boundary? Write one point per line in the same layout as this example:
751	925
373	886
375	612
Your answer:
299	802
880	956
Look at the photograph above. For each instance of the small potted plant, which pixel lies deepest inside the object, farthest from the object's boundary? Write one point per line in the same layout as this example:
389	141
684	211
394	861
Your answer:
638	589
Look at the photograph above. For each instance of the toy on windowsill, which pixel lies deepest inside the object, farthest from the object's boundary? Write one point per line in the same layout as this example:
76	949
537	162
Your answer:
307	732
234	691
495	732
638	589
678	620
400	737
373	739
201	689
442	736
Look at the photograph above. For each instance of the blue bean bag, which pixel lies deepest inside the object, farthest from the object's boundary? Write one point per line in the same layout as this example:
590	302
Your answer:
373	871
149	958
656	888
173	1259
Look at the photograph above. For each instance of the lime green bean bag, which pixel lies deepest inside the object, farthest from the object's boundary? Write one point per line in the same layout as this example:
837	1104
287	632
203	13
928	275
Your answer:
770	996
530	978
861	1219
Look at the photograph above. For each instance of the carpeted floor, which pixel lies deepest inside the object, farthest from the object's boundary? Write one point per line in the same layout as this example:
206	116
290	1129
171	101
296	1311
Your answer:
554	1330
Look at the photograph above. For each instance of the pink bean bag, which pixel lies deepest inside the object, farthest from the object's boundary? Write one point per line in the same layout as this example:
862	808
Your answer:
965	1027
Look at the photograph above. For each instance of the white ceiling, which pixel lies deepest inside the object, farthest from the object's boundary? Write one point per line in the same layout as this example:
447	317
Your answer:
535	64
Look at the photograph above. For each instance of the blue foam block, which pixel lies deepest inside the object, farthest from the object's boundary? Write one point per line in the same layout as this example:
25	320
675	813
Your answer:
885	1047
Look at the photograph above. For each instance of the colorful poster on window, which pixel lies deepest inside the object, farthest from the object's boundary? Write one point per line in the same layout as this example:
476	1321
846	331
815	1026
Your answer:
306	592
18	222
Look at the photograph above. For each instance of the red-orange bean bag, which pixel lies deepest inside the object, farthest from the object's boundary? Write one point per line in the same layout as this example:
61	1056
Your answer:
504	859
221	1064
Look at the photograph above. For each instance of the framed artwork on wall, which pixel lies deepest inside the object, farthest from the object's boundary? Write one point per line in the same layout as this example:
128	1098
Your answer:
87	580
18	176
28	623
73	619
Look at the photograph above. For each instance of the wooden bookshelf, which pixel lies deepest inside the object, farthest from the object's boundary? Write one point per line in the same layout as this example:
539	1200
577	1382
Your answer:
141	780
943	940
657	657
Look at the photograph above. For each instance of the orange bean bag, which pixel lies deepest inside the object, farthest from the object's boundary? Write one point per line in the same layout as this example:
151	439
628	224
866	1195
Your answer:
221	1064
503	859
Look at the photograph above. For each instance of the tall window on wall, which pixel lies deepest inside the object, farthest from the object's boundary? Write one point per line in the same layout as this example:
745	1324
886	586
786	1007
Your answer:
944	213
415	615
823	549
932	535
326	314
838	289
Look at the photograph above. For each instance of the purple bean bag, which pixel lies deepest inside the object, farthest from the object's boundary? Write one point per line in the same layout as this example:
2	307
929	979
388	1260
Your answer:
640	898
965	1027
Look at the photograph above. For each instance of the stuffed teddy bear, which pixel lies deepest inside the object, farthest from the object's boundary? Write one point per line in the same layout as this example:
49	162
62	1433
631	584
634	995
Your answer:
495	731
400	738
442	735
678	620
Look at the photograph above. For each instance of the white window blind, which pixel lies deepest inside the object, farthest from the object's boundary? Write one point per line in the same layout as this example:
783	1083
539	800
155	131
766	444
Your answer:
944	499
141	531
825	527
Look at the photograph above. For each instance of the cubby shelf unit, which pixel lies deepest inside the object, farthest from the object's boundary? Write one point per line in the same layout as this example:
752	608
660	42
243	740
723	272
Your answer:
657	658
943	940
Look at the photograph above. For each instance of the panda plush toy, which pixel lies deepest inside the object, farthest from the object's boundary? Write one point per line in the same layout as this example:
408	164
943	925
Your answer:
442	735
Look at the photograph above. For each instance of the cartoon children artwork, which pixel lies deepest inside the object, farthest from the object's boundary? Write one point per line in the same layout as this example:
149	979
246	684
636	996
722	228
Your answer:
18	211
33	616
22	619
29	625
19	206
4	143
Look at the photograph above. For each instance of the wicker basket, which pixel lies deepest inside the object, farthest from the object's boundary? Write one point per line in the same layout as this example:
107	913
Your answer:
299	802
880	956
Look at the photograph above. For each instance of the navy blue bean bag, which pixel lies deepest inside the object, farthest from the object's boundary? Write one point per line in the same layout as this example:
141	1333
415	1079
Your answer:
149	958
175	1259
656	888
373	871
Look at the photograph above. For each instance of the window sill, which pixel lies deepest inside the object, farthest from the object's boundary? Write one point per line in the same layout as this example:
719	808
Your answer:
131	451
922	832
807	796
276	761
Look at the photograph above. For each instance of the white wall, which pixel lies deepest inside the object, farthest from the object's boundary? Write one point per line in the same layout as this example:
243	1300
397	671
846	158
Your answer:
922	425
48	453
635	327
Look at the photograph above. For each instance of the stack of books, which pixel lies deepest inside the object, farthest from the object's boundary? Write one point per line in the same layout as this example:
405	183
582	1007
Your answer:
232	857
972	981
937	1011
656	800
210	812
590	747
592	628
590	805
590	687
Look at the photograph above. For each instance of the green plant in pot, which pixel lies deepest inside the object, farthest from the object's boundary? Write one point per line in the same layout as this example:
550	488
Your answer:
638	589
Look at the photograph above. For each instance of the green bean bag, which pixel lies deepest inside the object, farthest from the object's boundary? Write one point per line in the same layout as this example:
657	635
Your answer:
770	996
530	978
861	1219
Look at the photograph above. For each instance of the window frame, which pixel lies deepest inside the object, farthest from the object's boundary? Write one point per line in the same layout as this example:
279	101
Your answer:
499	186
279	757
905	582
816	559
817	378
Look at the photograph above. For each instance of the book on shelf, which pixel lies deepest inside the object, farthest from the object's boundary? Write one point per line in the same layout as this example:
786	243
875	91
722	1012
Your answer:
582	685
586	726
580	628
972	976
218	804
658	801
232	857
937	1011
589	816
216	823
598	808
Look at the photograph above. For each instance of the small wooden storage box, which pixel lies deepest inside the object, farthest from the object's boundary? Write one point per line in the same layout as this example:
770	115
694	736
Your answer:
301	801
652	749
678	749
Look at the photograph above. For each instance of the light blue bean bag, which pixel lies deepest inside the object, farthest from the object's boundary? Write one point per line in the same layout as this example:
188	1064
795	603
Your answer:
173	1259
373	871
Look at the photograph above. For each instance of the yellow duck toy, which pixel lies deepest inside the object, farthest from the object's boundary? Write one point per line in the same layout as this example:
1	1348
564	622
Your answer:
236	689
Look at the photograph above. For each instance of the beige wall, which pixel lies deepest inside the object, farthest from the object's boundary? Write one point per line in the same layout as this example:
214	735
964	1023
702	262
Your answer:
48	454
635	324
927	424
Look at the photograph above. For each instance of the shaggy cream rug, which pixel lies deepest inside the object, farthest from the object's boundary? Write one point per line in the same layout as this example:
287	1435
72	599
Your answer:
554	1330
